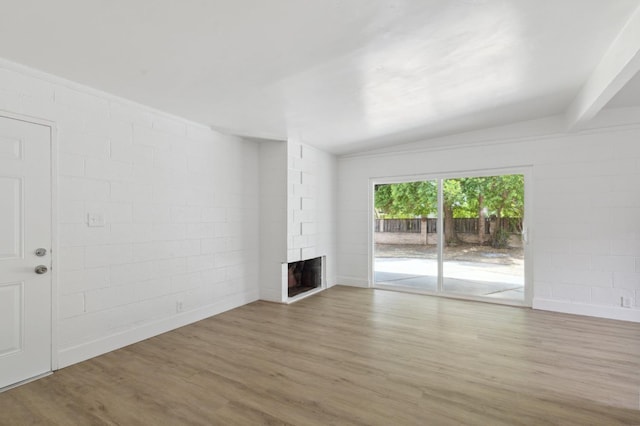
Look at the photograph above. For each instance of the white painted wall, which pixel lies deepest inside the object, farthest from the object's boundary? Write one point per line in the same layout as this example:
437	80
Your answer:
273	219
585	223
180	203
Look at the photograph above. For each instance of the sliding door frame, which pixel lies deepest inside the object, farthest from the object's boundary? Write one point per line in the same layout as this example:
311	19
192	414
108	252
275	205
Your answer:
527	234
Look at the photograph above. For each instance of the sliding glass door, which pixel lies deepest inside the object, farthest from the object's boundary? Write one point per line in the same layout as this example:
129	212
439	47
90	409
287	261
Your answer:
406	243
481	252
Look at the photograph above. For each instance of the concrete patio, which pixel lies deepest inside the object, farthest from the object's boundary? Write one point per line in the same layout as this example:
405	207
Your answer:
485	273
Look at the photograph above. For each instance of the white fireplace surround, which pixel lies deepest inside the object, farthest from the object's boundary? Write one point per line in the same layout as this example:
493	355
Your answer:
285	281
297	197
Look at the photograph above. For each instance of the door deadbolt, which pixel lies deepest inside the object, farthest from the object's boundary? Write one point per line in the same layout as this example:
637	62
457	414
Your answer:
41	252
41	269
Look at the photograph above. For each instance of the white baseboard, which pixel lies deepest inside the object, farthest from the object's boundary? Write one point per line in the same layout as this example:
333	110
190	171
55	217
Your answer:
610	312
82	352
352	281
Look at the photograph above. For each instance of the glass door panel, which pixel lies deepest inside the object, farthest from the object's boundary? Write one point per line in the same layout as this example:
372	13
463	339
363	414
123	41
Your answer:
405	238
483	254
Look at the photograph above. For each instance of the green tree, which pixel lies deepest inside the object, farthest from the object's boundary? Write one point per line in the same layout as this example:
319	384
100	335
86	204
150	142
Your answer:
505	196
470	197
499	196
408	199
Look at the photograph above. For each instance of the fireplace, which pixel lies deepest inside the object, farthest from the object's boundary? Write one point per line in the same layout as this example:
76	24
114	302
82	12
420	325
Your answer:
304	276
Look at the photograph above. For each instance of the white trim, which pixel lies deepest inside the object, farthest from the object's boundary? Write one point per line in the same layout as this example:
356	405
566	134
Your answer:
445	143
24	382
84	351
371	243
610	312
440	243
304	295
53	163
529	229
27	118
55	249
517	169
468	298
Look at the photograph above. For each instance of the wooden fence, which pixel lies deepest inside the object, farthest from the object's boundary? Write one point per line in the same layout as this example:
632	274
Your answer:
413	226
462	225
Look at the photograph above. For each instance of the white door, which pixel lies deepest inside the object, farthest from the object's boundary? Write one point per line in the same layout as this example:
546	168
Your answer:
25	227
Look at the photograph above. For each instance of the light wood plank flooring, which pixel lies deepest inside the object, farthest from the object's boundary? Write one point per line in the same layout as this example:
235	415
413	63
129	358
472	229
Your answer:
354	356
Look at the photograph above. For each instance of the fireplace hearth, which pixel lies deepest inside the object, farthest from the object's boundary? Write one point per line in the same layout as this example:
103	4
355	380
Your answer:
304	275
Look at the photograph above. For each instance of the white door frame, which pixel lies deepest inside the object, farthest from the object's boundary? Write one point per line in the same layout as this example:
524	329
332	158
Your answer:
53	146
525	170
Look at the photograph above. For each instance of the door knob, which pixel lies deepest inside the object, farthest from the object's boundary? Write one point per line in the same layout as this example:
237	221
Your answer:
41	269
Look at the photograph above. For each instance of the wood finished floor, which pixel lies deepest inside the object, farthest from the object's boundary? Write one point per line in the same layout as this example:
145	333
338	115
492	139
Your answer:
354	356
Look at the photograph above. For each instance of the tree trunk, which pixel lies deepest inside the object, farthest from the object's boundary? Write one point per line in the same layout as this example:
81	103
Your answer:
481	220
450	236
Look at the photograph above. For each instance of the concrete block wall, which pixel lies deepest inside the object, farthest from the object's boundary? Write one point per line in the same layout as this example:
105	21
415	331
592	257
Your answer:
180	209
311	213
583	264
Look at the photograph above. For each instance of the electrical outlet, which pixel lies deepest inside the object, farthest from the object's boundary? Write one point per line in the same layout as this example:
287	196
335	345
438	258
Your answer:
179	306
625	302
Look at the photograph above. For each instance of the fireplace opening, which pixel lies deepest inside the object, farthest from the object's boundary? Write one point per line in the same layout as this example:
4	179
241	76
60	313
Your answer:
304	275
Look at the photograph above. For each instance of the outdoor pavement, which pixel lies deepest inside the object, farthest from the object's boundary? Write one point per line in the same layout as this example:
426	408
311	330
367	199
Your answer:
463	277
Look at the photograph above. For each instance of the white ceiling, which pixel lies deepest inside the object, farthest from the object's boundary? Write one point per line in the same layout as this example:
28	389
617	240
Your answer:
342	75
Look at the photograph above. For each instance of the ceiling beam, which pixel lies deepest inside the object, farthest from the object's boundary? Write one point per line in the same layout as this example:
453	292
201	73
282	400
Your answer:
619	64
